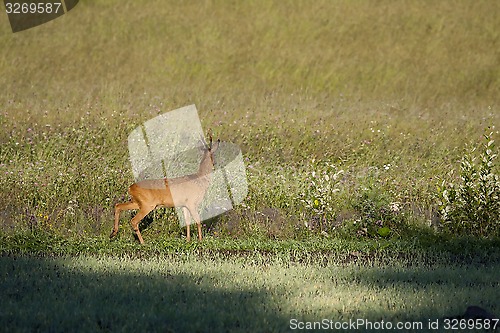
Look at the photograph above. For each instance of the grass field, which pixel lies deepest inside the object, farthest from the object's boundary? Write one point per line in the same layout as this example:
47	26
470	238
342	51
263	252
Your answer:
350	115
181	294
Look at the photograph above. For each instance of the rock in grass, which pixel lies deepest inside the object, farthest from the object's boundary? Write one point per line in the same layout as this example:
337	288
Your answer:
475	312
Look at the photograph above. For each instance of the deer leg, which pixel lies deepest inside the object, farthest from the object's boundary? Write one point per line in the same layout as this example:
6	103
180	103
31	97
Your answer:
187	219
118	208
196	218
137	218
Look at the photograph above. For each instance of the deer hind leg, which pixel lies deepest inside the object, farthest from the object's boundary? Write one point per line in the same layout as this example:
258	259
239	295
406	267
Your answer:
187	219
144	210
118	208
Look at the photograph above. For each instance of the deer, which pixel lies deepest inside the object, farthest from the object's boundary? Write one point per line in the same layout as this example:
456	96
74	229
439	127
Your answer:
149	194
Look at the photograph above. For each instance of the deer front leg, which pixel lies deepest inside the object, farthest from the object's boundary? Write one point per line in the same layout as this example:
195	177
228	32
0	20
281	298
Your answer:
199	231
118	208
196	218
187	219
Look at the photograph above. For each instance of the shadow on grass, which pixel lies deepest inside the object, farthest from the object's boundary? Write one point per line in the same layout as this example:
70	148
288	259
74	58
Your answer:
446	290
459	249
88	294
56	295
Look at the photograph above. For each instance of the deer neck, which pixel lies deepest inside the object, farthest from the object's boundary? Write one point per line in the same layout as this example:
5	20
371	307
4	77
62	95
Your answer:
206	166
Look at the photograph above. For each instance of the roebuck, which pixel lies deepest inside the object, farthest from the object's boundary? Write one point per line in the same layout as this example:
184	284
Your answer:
189	192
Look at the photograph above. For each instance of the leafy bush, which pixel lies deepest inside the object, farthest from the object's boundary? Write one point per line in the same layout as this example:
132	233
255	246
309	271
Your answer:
378	216
332	200
320	195
471	205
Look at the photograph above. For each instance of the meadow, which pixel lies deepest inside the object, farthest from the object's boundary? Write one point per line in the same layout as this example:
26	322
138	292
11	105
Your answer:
353	118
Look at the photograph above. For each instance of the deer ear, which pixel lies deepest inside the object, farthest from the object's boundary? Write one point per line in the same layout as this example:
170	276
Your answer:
202	144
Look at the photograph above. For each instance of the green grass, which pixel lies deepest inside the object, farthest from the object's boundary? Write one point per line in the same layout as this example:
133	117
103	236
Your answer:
181	294
381	97
422	247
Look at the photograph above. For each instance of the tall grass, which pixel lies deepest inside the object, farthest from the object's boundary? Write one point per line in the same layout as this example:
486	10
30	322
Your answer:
388	92
222	51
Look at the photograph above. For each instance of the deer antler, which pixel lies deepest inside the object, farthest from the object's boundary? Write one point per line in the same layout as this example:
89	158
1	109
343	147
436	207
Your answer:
209	134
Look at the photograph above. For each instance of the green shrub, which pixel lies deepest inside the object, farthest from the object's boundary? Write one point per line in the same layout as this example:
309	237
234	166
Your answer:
377	216
319	197
471	204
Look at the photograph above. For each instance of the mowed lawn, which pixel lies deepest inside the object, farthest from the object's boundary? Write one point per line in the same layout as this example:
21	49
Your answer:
252	294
